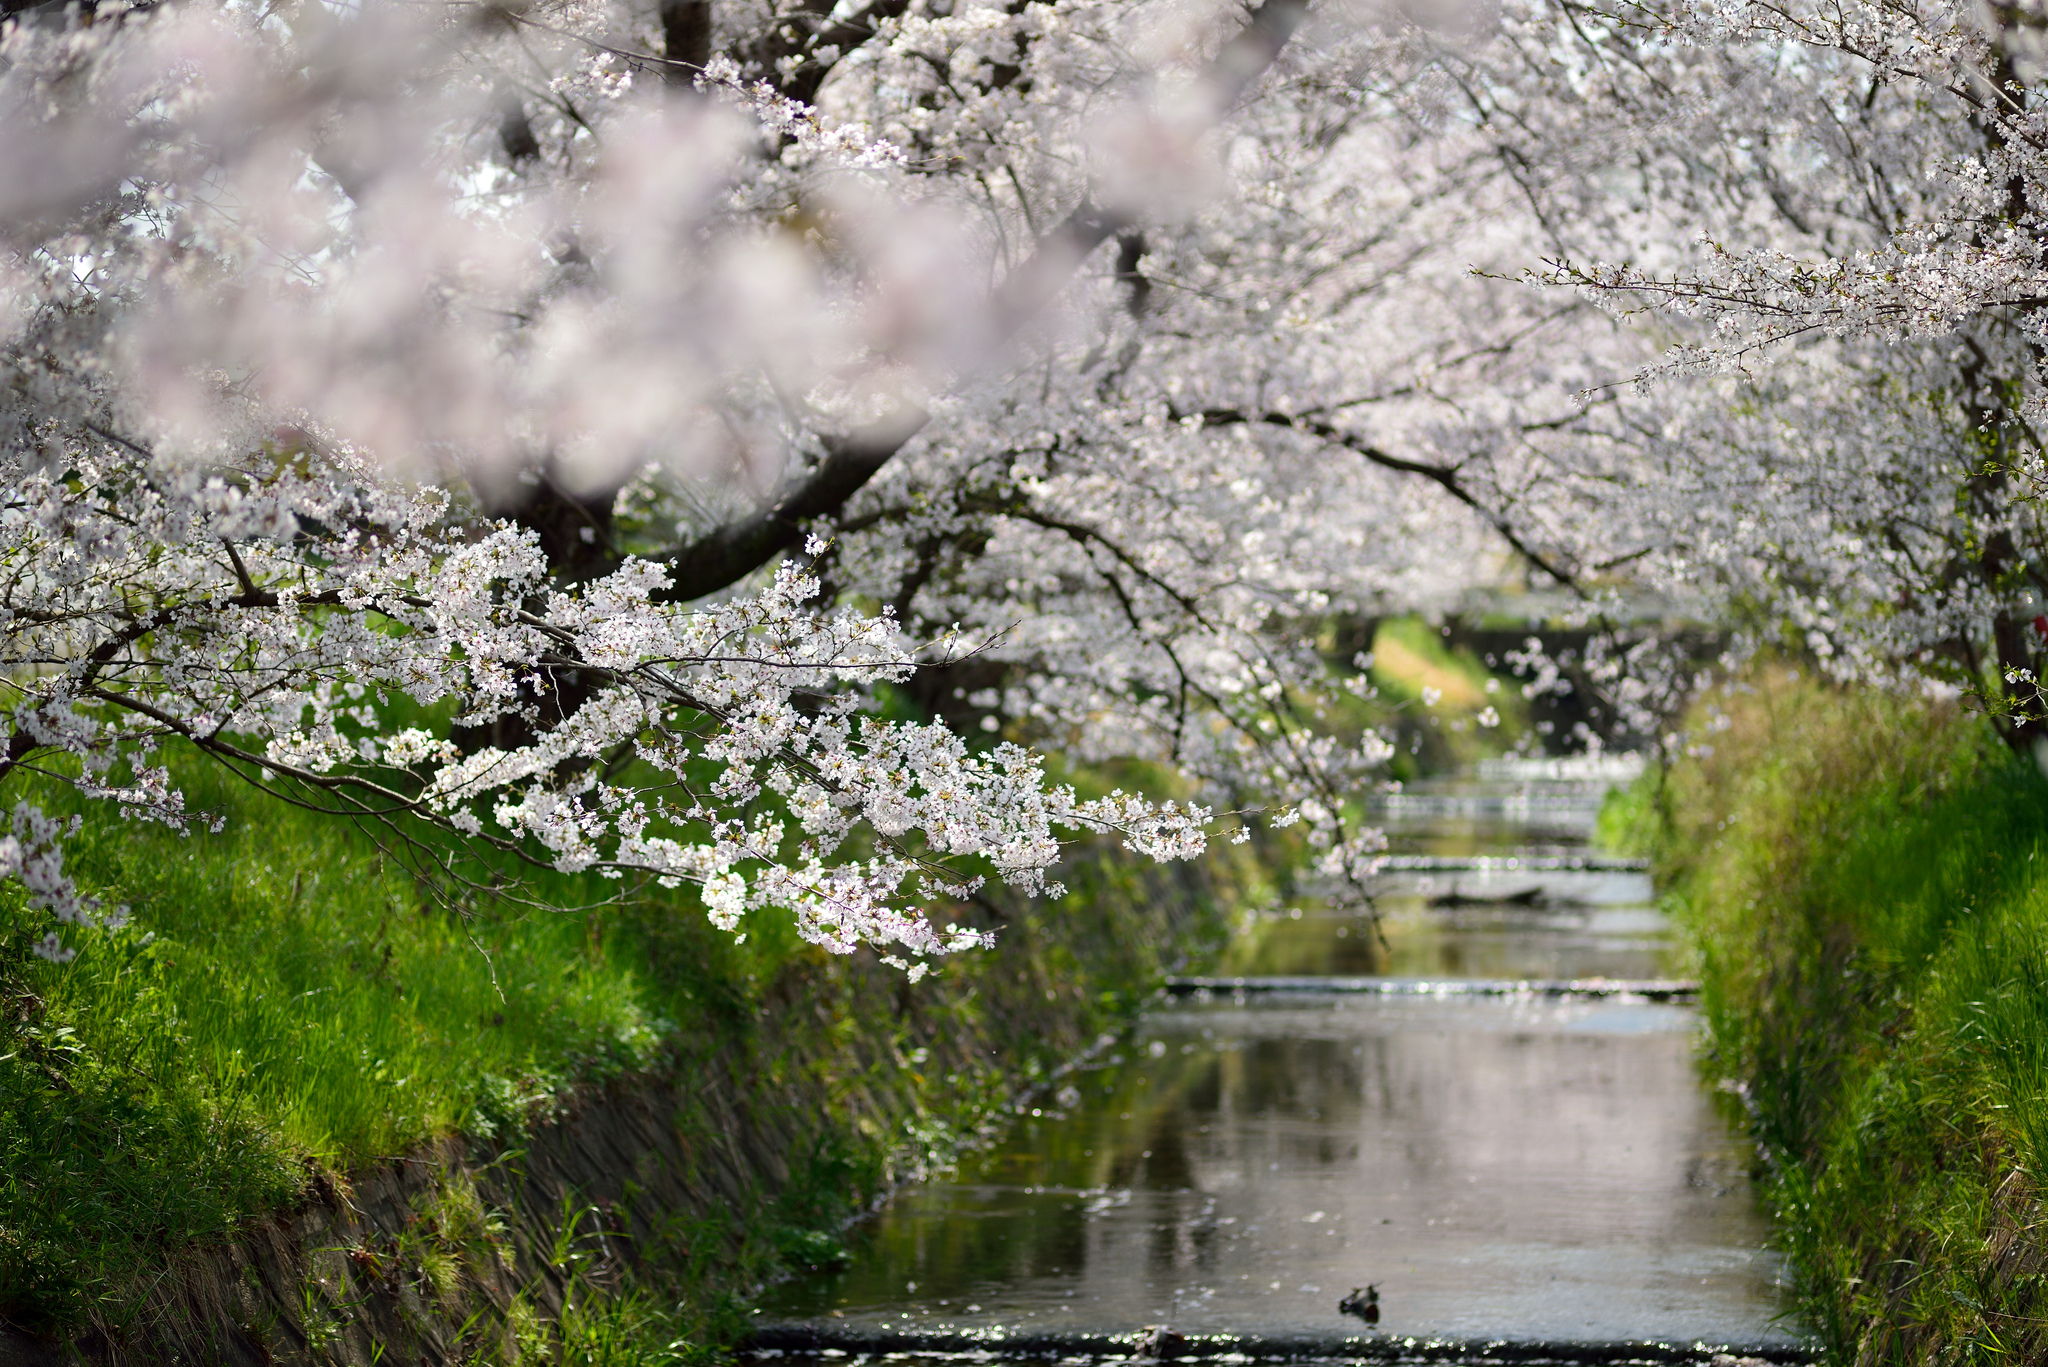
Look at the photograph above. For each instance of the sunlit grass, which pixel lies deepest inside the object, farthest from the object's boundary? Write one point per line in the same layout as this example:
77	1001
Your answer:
1408	660
1443	707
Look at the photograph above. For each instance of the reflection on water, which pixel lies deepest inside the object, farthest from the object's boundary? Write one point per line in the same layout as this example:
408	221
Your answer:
1514	1167
1535	1168
1487	922
1597	925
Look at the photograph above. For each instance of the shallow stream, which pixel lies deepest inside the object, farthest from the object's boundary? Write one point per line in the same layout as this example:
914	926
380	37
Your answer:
1526	1164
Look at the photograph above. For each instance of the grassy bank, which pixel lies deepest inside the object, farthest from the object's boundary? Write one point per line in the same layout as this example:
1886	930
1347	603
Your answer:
290	1010
1865	880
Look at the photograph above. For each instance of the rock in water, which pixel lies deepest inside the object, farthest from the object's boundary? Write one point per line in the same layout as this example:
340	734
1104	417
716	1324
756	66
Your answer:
1364	1302
1158	1341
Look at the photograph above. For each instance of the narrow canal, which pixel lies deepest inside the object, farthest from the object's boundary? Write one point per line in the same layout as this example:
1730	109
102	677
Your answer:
1336	1110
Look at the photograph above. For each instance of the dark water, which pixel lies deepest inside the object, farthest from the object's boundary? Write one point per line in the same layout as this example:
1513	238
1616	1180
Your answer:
1519	1167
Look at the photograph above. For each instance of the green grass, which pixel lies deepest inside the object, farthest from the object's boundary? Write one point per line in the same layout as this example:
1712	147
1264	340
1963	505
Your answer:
287	999
1411	664
289	1005
1865	883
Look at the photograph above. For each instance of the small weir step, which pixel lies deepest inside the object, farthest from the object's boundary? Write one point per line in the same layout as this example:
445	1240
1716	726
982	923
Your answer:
1644	989
1511	863
813	1340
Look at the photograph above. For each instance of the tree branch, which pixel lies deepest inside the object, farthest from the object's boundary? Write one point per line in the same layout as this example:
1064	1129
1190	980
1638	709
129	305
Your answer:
737	549
1444	477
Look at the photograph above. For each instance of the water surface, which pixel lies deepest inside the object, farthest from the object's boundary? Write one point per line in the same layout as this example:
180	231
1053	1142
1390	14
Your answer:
1519	1167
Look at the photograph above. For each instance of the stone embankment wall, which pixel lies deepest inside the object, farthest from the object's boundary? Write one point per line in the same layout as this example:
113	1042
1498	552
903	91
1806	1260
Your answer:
466	1252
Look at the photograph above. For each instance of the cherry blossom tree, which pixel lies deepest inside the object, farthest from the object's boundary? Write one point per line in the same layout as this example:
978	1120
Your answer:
559	436
344	395
1830	218
1809	408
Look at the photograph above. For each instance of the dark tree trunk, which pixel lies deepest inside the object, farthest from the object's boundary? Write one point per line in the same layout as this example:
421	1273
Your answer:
575	530
575	534
686	38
